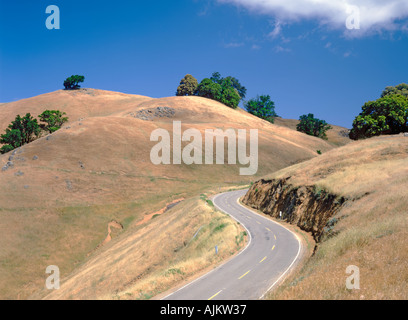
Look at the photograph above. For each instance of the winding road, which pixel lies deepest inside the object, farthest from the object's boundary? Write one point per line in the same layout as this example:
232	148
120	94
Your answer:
271	252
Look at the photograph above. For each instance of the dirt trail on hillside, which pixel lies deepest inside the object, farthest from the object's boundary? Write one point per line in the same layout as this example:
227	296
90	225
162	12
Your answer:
161	211
112	224
117	225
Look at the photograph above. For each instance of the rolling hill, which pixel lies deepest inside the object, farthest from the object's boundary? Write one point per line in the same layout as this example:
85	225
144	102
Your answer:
60	193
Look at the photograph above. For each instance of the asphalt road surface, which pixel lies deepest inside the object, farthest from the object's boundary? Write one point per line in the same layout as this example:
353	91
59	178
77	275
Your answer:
271	252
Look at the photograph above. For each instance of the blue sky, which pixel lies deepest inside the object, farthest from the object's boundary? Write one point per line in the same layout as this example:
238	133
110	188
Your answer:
302	55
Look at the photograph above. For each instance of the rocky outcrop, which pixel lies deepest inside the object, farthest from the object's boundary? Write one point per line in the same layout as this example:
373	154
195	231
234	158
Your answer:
151	113
308	207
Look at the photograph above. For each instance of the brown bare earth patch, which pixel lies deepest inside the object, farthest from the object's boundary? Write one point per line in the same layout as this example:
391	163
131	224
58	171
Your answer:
112	224
157	213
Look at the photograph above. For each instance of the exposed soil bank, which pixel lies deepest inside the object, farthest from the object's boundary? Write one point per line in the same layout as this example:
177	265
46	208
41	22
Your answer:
308	207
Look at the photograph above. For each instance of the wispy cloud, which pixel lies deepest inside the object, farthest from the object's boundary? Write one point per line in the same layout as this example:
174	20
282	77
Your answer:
347	54
279	49
374	15
233	45
276	30
205	7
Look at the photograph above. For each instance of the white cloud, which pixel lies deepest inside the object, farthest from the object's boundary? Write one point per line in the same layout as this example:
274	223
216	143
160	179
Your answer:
347	54
279	49
233	45
276	30
375	15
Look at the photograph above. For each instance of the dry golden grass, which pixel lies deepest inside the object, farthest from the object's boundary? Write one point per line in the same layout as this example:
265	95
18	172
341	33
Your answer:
58	212
152	258
372	228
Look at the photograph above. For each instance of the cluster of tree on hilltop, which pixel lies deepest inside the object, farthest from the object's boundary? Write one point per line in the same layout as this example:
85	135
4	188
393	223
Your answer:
230	92
387	115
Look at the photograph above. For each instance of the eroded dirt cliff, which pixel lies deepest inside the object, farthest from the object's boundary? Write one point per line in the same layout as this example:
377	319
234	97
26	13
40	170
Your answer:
308	207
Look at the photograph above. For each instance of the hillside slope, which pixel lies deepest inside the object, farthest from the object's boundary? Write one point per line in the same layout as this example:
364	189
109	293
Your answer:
354	202
61	191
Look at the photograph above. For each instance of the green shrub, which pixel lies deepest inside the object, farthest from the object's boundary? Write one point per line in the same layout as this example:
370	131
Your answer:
188	86
312	126
387	115
210	203
54	119
219	227
225	90
262	107
26	129
21	131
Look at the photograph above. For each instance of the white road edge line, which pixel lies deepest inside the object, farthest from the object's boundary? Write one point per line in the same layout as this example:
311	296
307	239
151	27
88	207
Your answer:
294	260
249	242
247	246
